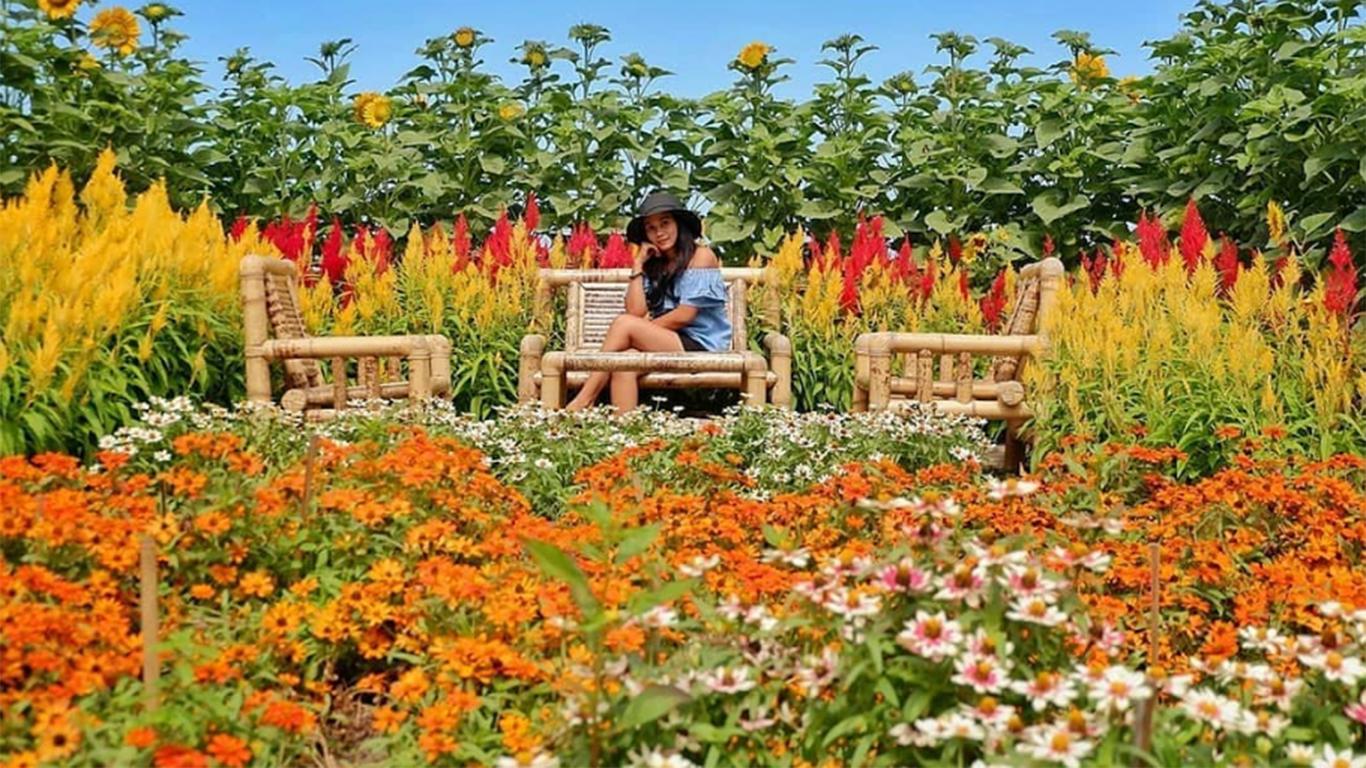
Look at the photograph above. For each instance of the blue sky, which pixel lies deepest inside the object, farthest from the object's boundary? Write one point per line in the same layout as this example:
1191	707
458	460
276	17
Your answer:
693	38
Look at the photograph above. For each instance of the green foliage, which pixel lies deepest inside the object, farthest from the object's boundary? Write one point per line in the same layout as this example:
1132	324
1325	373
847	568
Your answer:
1250	101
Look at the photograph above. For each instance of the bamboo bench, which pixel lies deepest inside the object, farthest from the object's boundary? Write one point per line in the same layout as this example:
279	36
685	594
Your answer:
596	296
274	331
892	368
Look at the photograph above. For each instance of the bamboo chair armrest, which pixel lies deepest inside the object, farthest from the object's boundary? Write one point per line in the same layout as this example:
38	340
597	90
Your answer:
346	346
948	343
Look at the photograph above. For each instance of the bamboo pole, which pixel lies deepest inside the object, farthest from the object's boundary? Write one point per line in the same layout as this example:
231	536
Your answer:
1147	709
151	623
310	462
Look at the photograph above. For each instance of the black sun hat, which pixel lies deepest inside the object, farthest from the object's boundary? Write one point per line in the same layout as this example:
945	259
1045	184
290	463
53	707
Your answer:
662	202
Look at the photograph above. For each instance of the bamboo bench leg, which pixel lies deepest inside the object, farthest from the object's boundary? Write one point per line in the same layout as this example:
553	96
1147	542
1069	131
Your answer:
553	382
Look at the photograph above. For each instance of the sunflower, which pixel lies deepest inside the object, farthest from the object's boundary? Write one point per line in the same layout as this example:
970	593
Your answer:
59	9
464	37
510	111
535	57
752	56
1089	67
156	12
373	109
116	29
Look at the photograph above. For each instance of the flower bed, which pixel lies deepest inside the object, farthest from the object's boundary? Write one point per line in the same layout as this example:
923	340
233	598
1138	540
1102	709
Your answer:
393	601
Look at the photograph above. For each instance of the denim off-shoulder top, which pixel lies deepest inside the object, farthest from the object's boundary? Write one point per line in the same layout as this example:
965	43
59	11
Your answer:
704	289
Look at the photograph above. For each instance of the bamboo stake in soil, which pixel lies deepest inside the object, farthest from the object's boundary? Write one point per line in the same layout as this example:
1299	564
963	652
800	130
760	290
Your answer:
1143	723
151	623
306	503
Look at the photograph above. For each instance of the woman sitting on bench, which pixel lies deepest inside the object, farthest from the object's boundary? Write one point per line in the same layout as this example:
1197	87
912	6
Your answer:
676	300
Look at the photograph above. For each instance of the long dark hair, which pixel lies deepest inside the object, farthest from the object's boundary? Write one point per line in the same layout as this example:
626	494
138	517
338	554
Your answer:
663	271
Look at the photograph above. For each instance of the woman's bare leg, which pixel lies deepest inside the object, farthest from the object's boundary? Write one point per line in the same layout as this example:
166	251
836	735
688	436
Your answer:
627	332
625	391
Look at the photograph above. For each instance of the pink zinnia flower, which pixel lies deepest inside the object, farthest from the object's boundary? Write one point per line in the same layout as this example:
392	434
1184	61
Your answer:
933	636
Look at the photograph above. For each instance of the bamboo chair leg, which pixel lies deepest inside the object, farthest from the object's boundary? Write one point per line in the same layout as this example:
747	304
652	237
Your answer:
553	381
879	356
339	383
1014	453
756	380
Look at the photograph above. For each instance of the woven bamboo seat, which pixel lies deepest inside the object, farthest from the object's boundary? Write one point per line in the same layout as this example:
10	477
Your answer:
274	331
595	298
1001	395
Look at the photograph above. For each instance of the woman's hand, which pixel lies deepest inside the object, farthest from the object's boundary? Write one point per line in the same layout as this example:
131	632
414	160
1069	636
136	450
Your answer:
643	254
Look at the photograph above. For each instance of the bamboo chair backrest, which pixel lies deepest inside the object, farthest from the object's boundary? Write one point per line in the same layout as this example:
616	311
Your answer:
1033	297
286	322
592	306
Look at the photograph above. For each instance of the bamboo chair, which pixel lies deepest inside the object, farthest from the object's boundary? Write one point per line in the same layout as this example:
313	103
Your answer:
1001	395
595	297
275	332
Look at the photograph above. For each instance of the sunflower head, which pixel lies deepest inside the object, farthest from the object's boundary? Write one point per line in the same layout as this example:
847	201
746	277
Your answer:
752	56
1089	67
59	9
116	29
157	12
465	36
535	56
511	111
87	63
373	109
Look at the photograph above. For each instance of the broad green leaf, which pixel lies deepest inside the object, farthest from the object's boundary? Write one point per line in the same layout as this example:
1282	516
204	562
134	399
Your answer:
651	704
1355	221
1047	132
557	564
1049	211
637	540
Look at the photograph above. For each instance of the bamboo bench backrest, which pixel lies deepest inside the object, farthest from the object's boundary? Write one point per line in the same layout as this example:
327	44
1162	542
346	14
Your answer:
285	320
596	297
1034	297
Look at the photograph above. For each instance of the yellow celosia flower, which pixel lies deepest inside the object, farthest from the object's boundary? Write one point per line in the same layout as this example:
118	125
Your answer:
1275	222
752	56
1089	67
59	9
373	109
464	37
511	111
116	29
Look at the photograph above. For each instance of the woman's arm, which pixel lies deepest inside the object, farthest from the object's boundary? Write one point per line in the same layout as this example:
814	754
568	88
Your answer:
678	318
635	290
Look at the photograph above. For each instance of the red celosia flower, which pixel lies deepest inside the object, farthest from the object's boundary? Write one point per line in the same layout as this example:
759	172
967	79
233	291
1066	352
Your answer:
382	247
1226	262
1340	285
963	288
532	217
1048	246
1117	251
497	251
906	269
460	243
335	258
994	302
1095	268
1194	236
239	228
955	249
583	246
867	247
927	279
617	254
1152	240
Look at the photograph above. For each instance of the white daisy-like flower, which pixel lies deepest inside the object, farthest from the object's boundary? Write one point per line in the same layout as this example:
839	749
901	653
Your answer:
1118	688
1037	609
1057	744
1046	689
1213	709
934	636
1333	758
728	680
999	490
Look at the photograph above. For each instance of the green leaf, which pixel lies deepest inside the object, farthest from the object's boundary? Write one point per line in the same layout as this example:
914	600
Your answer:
1355	221
1047	132
940	222
817	209
492	164
999	186
635	541
1313	224
847	725
651	704
1048	211
557	564
1000	146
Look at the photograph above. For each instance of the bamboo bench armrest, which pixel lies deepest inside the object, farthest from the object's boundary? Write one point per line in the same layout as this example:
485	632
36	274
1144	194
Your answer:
948	343
346	346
